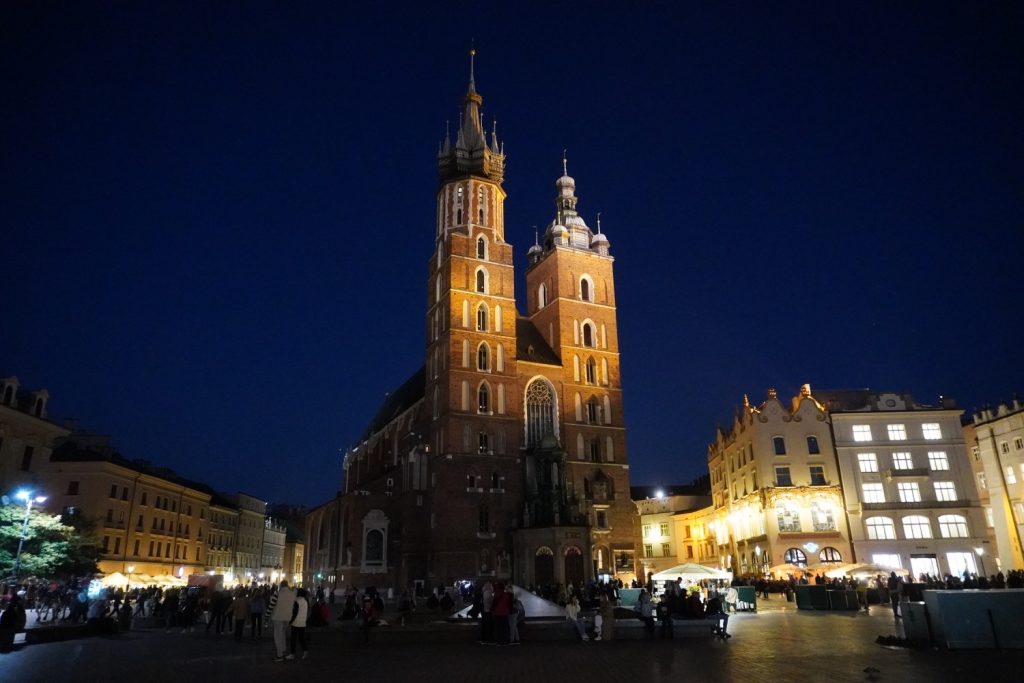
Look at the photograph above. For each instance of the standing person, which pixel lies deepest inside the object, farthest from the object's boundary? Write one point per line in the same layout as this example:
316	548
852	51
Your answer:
894	585
645	612
517	617
501	609
280	609
572	615
485	615
240	611
257	605
607	618
300	614
862	593
732	597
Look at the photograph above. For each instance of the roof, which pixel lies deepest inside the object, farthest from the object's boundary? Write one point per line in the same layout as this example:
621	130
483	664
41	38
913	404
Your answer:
531	346
692	489
398	401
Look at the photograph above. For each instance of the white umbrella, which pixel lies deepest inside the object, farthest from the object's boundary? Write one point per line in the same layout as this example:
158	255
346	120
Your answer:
788	568
115	580
870	569
692	571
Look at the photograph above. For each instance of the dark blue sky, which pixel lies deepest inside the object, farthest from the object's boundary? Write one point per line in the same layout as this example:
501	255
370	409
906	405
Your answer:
217	216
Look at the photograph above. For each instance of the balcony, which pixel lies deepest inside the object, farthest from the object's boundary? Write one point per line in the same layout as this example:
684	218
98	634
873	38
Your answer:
918	505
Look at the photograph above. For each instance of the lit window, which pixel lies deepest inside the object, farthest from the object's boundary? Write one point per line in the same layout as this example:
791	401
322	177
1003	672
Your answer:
647	530
648	550
591	371
483	358
795	556
931	431
817	475
897	432
821	517
953	526
909	492
782	477
945	490
990	520
1011	476
868	462
789	517
862	432
902	461
917	526
812	445
873	493
780	445
937	460
982	485
481	318
663	528
880	528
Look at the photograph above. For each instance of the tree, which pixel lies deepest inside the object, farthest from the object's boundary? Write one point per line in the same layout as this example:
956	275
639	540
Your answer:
53	548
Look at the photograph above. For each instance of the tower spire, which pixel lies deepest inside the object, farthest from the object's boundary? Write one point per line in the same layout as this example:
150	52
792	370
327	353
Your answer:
472	77
565	163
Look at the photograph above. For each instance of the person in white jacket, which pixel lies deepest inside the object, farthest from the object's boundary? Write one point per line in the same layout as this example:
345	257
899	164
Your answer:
300	614
280	609
572	615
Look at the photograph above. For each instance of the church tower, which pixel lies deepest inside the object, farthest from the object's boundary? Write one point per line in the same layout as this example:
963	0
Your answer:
571	302
471	349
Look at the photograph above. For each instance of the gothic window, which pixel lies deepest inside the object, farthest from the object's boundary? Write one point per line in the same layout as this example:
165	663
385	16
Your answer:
458	206
595	450
540	410
586	289
481	248
497	318
495	482
588	334
591	371
480	206
483	358
542	296
485	519
604	371
481	281
484	398
483	443
481	318
374	546
593	413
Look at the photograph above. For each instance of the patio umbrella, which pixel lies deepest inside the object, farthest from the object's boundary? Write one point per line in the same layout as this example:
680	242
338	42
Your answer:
787	568
115	580
691	571
837	571
871	569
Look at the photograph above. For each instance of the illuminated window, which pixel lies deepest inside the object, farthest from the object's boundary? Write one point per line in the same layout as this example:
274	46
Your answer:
982	485
648	550
782	477
953	526
990	520
937	460
817	475
873	493
789	517
780	445
647	530
868	462
897	432
902	461
830	554
931	431
945	490
1011	476
909	492
481	318
663	528
887	560
821	515
880	528
483	358
812	445
917	526
795	556
862	432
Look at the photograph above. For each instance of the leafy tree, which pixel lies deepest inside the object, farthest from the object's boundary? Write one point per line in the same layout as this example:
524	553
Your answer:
53	548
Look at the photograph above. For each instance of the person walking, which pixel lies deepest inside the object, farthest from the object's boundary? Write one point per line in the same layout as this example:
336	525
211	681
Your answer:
280	609
300	615
239	612
257	605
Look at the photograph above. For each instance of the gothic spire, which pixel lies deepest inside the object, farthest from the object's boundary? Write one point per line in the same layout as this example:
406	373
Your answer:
471	154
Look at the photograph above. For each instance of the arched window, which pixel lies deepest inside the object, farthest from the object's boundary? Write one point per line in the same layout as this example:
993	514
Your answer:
436	407
483	357
458	206
953	526
497	318
542	296
830	554
595	450
591	371
579	407
480	206
374	547
607	411
588	334
917	526
880	528
604	371
795	556
484	398
540	412
586	288
437	288
481	248
481	318
593	412
812	445
481	280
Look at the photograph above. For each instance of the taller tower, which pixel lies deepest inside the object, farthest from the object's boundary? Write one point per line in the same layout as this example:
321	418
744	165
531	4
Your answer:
471	350
571	302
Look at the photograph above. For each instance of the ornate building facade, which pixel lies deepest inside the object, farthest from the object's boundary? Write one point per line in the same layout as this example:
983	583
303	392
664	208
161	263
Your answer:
505	455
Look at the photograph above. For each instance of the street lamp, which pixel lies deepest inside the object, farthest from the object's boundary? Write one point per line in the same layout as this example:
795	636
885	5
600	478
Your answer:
29	499
979	551
131	568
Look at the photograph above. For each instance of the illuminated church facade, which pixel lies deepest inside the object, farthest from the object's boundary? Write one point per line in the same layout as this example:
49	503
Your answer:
504	456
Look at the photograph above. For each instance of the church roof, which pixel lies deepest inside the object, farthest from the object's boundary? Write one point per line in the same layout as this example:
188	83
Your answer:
398	401
531	346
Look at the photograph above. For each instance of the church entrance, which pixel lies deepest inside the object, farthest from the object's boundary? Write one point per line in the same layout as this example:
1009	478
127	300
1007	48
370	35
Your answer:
544	567
573	566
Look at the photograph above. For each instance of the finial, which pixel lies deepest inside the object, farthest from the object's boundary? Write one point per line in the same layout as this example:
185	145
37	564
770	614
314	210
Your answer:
565	164
536	237
598	222
472	54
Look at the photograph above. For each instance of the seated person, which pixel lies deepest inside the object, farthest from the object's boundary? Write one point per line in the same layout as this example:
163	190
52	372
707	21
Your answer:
719	619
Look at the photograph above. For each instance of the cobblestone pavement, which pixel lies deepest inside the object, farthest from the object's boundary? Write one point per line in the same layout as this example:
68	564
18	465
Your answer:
773	645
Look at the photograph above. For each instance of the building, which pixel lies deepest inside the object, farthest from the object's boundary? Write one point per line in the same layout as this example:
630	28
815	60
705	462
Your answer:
151	521
989	550
907	481
776	488
223	529
505	455
26	436
252	514
272	553
662	546
999	436
294	558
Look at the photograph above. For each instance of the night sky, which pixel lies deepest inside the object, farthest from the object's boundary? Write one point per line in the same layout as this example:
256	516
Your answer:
216	217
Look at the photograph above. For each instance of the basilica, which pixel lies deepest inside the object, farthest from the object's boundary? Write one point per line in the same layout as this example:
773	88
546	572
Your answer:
504	455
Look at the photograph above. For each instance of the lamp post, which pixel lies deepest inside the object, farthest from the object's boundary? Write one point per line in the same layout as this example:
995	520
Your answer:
979	551
29	499
131	568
